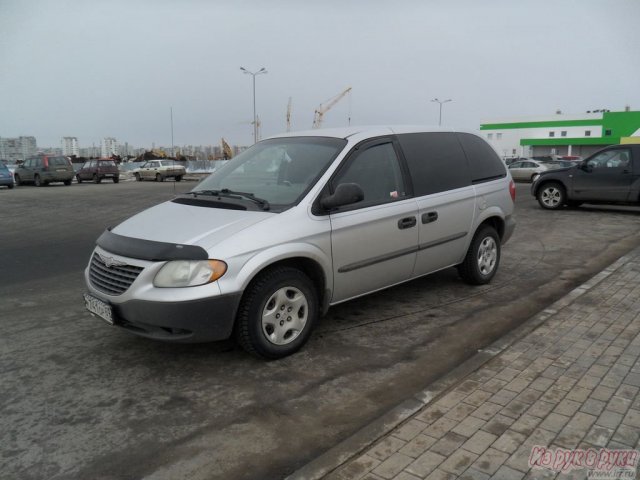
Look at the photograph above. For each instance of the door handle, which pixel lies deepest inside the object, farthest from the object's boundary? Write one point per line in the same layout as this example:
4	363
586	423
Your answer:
407	222
429	217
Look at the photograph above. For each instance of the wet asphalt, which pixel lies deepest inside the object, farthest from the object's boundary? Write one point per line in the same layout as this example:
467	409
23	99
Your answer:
80	399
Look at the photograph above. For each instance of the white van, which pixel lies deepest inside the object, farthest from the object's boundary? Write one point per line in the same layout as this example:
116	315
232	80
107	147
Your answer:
297	223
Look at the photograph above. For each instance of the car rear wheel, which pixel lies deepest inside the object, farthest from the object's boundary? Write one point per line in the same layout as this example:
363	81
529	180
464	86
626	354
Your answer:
138	177
37	182
116	179
483	257
277	313
16	178
179	178
67	182
96	178
551	196
10	186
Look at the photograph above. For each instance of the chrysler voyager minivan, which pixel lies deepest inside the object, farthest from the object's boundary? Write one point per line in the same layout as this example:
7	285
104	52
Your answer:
261	248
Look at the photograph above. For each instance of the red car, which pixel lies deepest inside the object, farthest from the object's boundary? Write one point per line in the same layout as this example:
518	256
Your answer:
96	170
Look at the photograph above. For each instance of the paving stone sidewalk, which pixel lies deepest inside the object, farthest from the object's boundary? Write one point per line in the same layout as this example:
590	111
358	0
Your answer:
572	382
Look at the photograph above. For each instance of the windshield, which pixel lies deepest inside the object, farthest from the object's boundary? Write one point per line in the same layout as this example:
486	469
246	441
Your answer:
278	170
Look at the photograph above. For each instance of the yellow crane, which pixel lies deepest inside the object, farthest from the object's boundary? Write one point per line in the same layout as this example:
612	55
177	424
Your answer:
227	153
326	106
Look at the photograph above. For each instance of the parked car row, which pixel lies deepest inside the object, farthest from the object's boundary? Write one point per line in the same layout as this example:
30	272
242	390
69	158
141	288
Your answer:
42	170
528	169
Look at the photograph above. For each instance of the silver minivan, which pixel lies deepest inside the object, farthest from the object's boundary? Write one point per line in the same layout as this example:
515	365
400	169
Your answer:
261	248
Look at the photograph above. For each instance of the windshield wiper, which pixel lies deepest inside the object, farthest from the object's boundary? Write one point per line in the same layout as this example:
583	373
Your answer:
225	192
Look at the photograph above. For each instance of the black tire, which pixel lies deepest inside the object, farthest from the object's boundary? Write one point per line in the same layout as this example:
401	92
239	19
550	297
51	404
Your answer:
96	178
138	177
10	186
551	196
37	182
179	178
16	178
483	257
116	179
159	178
78	179
281	294
67	182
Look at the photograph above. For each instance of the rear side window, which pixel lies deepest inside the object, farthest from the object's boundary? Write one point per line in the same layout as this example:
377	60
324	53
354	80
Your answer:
484	163
58	161
436	161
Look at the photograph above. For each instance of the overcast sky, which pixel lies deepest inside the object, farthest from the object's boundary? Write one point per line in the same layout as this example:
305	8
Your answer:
97	68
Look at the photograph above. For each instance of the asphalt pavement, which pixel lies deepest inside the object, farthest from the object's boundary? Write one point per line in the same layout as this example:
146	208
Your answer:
80	399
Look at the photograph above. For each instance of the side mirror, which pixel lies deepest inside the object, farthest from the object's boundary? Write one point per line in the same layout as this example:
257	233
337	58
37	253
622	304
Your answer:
586	167
345	194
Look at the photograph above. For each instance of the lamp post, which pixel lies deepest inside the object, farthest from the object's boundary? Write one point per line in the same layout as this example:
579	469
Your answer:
440	102
255	118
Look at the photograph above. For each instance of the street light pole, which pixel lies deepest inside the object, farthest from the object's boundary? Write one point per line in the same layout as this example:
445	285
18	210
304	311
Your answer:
440	102
255	118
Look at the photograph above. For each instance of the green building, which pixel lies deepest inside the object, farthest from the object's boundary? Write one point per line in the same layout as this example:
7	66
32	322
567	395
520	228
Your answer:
560	134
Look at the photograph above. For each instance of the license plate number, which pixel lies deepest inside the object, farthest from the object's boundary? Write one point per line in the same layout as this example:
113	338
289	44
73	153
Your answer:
99	308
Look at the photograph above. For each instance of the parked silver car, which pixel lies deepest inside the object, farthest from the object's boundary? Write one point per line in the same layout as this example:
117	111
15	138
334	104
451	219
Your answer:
528	170
297	223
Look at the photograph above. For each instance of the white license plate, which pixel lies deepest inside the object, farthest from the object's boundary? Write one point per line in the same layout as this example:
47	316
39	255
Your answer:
99	308
61	170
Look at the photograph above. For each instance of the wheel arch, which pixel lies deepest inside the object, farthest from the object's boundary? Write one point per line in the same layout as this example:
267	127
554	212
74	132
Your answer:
311	262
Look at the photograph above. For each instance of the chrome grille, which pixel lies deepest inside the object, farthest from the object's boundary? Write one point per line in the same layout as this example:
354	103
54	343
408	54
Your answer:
113	280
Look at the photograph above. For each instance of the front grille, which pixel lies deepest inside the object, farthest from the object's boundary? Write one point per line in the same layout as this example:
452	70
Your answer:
113	280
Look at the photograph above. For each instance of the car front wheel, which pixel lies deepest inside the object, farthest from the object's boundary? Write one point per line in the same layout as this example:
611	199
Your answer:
483	257
37	181
78	179
16	178
138	177
551	196
277	313
159	178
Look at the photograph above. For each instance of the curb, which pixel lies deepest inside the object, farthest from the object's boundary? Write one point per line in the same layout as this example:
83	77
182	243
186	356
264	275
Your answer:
383	425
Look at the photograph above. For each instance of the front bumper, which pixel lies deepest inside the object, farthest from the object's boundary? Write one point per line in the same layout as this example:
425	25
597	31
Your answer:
194	321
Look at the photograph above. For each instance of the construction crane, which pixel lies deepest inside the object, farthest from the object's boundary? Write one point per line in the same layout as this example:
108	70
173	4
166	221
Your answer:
289	115
326	106
227	153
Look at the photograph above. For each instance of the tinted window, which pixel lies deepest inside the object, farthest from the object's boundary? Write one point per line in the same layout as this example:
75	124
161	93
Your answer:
484	162
436	161
377	171
58	161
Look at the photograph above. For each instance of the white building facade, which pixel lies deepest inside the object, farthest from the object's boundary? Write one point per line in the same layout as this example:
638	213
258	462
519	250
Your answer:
70	146
109	147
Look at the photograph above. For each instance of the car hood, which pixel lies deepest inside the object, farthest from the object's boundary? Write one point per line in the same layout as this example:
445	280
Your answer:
189	225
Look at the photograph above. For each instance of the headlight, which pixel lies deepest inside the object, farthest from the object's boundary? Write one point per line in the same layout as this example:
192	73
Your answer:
189	273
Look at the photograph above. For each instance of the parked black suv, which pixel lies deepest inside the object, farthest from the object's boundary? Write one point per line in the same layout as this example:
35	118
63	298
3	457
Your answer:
611	175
